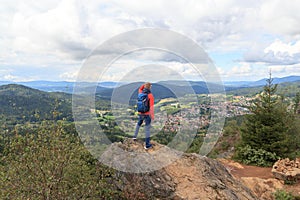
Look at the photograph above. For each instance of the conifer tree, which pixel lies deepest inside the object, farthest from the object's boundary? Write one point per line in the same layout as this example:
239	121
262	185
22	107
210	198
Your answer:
268	126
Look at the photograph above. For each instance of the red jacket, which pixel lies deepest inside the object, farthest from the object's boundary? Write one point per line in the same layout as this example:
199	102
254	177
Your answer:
151	101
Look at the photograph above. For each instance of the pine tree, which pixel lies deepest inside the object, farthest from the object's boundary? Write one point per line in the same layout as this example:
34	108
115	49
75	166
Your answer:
268	126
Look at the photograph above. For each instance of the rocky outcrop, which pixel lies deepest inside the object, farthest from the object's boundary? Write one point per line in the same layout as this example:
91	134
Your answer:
287	170
189	177
262	188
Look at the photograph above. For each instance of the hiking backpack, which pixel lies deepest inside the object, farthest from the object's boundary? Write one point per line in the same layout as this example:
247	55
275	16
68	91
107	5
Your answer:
143	103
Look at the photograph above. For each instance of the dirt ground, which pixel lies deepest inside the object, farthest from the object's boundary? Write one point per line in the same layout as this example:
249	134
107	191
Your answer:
239	171
253	171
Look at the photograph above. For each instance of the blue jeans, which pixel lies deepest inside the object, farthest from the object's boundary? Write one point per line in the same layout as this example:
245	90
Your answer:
147	120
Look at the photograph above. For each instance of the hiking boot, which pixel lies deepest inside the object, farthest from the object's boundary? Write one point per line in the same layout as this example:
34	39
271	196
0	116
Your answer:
134	139
148	147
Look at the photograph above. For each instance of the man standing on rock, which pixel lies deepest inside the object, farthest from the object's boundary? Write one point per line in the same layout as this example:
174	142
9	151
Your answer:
146	112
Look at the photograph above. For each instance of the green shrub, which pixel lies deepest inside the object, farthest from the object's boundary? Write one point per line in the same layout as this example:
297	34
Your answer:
52	164
259	157
283	195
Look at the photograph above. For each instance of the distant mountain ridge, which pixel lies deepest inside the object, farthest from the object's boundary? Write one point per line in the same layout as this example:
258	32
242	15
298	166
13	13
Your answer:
262	81
61	86
163	89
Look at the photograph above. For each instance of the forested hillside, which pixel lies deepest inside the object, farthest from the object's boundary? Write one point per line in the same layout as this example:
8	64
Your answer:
23	104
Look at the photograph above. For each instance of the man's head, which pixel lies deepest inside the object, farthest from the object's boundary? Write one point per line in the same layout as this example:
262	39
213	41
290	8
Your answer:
147	85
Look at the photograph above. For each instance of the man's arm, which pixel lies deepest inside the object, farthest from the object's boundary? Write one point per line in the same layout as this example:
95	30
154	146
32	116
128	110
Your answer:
141	88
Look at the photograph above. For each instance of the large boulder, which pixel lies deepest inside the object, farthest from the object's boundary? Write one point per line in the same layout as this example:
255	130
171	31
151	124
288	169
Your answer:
190	177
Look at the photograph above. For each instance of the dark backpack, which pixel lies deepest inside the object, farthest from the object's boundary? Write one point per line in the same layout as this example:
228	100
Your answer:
143	103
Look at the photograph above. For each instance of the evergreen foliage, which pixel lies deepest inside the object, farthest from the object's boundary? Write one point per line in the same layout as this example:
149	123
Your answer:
270	125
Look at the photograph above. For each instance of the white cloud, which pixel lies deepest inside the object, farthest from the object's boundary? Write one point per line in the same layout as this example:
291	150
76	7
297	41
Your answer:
283	70
50	32
275	53
10	77
54	34
280	47
244	71
69	76
281	17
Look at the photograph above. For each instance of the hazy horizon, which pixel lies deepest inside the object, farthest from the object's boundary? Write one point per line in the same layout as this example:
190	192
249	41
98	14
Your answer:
104	81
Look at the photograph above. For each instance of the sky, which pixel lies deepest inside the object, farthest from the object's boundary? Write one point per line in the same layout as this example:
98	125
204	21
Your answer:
53	39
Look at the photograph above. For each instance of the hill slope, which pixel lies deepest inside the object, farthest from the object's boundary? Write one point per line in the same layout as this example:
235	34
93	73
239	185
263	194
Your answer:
26	104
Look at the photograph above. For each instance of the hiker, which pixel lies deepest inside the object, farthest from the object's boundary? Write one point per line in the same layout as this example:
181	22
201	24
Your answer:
146	115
